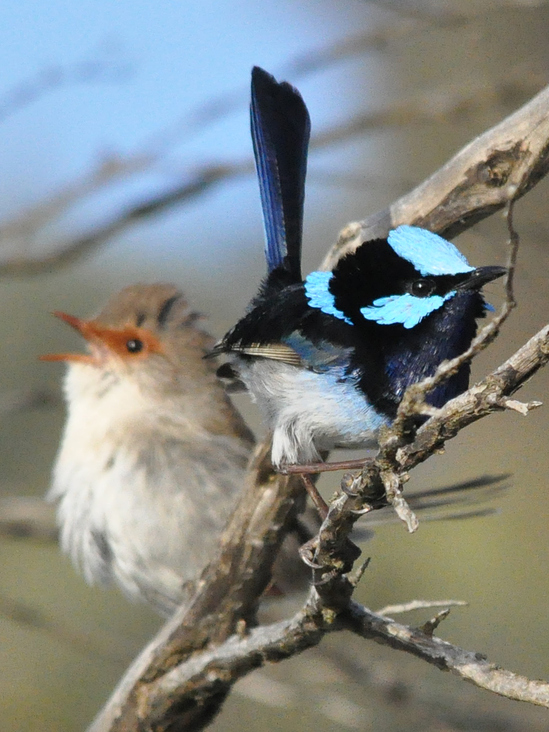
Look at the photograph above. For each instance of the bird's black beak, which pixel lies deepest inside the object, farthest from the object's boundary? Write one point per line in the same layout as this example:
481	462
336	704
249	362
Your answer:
479	277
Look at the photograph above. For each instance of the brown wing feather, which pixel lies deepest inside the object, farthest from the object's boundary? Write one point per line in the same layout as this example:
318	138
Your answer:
274	351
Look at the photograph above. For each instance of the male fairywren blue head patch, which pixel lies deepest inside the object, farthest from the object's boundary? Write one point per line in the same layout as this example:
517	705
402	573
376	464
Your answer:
429	253
406	310
317	290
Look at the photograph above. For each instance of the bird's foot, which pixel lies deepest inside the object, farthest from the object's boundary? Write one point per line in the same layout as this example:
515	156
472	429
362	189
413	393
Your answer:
347	554
308	469
308	552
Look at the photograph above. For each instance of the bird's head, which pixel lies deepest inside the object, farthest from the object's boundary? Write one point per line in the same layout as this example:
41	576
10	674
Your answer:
126	344
399	281
145	332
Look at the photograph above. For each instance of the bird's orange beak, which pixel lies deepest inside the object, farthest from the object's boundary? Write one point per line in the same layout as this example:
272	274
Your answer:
105	340
87	328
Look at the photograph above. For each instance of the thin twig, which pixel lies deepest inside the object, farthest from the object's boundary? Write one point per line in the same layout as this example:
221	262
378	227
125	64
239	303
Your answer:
406	607
90	70
435	106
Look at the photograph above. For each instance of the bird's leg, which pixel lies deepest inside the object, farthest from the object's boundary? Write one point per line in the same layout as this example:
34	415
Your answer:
308	551
314	468
316	498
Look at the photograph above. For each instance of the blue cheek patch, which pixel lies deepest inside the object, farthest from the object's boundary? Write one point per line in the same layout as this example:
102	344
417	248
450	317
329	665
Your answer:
319	296
405	310
429	253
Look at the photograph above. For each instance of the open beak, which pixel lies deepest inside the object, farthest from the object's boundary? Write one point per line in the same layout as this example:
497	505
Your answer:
87	329
129	342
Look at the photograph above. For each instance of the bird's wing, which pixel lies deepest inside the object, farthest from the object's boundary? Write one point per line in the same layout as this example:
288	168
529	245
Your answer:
296	350
273	351
319	355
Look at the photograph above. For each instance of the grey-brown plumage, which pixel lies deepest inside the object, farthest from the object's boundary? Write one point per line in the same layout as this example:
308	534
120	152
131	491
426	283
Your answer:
153	453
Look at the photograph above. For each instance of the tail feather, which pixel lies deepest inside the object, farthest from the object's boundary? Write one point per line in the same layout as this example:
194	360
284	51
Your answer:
280	133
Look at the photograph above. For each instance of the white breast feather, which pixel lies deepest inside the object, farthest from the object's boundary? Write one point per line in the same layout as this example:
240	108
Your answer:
143	512
308	411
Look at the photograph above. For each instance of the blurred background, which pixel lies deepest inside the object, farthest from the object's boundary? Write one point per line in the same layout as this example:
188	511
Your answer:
126	157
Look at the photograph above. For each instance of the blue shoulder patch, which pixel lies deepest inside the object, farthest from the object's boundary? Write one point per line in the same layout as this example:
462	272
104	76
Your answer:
405	310
429	253
319	296
320	357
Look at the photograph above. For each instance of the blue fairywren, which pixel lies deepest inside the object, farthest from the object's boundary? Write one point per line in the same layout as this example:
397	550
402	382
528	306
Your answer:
329	358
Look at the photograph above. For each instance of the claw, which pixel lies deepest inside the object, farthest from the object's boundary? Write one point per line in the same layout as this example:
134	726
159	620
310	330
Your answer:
360	511
306	552
327	577
309	562
346	483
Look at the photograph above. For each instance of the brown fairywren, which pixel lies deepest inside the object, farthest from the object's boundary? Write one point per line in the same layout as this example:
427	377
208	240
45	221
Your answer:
153	452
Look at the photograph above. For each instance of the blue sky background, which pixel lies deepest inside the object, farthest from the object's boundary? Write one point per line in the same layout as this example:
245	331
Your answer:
161	63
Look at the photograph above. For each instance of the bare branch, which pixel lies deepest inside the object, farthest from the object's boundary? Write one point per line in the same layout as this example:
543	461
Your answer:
500	165
468	665
23	266
437	106
169	677
412	21
22	400
399	456
97	643
226	595
171	699
27	517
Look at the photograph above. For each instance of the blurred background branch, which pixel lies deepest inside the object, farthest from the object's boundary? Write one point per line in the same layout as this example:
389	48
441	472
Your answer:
438	107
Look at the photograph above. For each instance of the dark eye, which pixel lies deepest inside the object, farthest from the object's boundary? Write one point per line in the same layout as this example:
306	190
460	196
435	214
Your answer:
134	345
422	288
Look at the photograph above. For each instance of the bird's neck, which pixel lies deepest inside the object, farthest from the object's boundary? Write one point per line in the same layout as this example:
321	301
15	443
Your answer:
105	402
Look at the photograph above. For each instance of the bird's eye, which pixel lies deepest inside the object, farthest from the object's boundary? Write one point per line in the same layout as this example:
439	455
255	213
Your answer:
422	288
134	345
